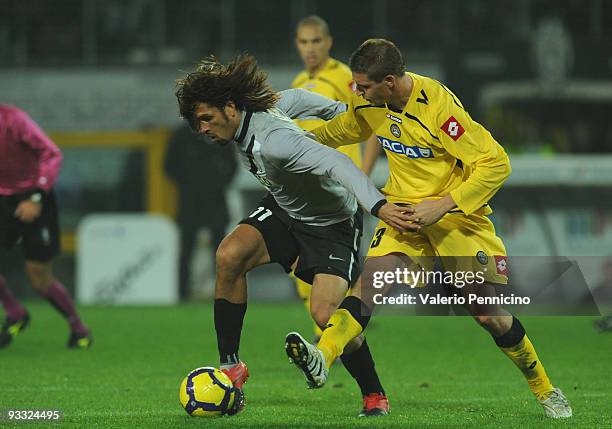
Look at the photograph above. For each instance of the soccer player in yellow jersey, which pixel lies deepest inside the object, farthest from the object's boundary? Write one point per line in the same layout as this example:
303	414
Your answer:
322	74
329	77
445	167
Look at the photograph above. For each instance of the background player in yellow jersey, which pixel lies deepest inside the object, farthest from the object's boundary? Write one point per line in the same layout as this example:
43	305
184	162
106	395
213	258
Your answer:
322	74
329	77
445	167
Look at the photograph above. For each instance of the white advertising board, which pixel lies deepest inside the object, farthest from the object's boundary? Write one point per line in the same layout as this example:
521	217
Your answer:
127	259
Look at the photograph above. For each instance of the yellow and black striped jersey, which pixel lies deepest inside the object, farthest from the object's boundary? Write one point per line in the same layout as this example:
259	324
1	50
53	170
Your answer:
334	81
433	146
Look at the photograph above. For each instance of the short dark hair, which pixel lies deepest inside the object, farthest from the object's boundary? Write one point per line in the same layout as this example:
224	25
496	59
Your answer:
315	21
377	58
240	82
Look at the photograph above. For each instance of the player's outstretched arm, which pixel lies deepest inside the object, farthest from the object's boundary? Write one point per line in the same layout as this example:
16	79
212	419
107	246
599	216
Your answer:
295	152
468	141
343	126
298	103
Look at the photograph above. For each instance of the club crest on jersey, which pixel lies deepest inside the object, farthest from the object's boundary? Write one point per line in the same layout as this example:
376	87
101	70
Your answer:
269	185
482	257
394	118
395	130
453	128
413	152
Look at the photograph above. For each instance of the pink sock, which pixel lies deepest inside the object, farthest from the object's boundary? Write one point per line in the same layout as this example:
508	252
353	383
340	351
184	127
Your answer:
59	297
11	305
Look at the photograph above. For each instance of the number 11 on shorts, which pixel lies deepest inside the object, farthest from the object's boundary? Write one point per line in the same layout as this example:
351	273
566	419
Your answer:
266	213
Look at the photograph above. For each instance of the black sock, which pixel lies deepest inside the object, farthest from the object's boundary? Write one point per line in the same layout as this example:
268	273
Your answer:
228	324
359	311
361	366
514	335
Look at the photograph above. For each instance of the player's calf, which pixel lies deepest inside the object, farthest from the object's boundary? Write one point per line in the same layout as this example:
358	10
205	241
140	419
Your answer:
518	347
496	325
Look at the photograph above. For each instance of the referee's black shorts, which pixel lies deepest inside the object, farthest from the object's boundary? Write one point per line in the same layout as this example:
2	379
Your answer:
40	238
332	249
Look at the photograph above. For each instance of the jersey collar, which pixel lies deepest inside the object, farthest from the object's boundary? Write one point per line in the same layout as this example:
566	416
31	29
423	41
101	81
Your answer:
416	87
331	63
244	126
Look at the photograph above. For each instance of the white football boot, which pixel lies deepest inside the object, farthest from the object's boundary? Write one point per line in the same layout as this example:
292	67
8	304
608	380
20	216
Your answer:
556	405
308	359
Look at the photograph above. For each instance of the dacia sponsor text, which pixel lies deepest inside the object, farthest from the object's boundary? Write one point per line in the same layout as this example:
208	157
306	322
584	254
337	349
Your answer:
410	151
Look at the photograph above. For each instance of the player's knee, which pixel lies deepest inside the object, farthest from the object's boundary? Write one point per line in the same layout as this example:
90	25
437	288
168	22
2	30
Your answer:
40	277
231	259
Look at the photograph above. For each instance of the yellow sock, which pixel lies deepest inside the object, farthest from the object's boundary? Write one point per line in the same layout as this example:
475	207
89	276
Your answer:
341	329
526	359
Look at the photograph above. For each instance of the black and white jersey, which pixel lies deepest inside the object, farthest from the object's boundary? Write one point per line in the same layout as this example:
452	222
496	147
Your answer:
311	182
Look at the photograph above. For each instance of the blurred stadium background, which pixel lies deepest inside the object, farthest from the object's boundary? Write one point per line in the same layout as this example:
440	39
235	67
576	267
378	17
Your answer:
99	77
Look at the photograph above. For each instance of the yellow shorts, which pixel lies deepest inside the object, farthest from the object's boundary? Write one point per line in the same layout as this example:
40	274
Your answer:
462	242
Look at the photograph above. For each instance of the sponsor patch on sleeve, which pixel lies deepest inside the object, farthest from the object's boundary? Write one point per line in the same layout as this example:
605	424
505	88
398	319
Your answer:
453	128
501	263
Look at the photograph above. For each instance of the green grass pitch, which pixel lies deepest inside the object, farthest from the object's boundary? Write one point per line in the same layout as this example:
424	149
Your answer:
438	372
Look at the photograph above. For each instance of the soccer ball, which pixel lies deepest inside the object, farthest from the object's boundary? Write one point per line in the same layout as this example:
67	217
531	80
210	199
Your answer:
207	392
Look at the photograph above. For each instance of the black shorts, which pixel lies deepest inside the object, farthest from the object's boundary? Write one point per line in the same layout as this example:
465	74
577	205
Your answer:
332	249
40	238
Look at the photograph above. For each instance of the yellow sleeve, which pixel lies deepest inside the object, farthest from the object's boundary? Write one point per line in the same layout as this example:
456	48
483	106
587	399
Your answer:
468	141
347	128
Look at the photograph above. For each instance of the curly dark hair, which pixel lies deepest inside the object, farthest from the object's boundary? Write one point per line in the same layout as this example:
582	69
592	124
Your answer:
241	82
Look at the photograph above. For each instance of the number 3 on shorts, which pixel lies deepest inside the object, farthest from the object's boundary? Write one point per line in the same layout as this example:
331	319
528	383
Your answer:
377	237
